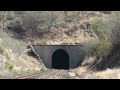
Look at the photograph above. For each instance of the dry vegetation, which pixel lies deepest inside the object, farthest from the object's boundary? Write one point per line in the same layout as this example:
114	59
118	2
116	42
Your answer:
100	40
85	73
103	63
14	59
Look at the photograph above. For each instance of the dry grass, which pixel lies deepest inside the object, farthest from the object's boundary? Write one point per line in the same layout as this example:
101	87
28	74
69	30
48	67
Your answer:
88	61
1	74
16	60
86	73
77	38
25	63
81	70
59	36
108	74
21	63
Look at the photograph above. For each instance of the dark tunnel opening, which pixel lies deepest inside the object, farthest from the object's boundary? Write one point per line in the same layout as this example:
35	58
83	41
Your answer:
60	59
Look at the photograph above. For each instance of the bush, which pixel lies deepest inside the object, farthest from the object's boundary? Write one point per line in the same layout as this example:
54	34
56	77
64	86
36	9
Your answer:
8	65
10	15
44	69
103	47
108	31
37	23
15	28
113	26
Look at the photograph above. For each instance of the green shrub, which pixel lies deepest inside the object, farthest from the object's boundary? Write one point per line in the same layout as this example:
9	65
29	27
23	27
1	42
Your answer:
8	65
95	25
44	69
101	48
104	45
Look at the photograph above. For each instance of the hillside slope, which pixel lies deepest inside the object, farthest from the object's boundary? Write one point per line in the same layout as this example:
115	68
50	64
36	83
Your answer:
16	37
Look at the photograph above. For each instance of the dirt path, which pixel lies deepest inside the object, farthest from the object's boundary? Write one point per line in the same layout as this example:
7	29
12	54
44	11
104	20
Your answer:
51	74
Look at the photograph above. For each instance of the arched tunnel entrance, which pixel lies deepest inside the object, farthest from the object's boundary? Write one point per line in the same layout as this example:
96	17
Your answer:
60	59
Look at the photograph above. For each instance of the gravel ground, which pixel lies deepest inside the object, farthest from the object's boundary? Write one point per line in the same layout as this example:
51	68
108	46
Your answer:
55	74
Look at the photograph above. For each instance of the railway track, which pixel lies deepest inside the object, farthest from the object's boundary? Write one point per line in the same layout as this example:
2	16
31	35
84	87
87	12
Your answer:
39	75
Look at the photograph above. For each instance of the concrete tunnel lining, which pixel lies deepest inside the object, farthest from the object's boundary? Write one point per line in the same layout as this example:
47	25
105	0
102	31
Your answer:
74	52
